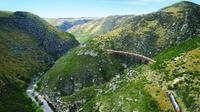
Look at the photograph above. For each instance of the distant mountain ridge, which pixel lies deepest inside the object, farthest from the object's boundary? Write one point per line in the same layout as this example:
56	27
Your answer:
98	27
87	28
67	23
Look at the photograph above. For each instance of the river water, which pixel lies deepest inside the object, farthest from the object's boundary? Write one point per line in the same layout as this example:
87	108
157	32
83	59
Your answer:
33	94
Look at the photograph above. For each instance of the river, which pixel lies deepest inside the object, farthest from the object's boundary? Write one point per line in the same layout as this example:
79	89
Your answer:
33	94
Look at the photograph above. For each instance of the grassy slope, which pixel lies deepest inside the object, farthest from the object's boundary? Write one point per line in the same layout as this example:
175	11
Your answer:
127	97
16	69
173	52
151	33
83	67
144	88
180	68
20	58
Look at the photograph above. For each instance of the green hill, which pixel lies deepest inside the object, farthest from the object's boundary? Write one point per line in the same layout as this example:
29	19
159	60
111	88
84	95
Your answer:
90	79
28	46
149	34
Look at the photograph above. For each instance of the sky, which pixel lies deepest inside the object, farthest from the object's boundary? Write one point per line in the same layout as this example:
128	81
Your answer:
85	8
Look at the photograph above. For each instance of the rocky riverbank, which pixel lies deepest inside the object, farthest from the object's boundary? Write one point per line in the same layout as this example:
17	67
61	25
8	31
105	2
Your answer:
38	98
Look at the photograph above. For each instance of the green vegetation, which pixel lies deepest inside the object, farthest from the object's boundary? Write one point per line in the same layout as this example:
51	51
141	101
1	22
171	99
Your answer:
181	74
23	54
15	98
18	63
86	94
178	69
18	52
175	51
81	67
127	97
149	86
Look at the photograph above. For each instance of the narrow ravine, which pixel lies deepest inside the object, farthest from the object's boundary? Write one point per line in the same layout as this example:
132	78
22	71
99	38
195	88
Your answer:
36	97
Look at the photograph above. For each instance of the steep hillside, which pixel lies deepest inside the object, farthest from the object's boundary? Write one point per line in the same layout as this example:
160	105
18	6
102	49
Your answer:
144	88
67	23
149	34
97	27
28	45
121	84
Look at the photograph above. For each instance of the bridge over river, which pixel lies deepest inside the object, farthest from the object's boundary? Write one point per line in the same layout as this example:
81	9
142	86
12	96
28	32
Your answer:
130	54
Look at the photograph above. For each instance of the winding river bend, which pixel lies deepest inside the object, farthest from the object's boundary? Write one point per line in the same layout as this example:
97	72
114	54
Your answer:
33	94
